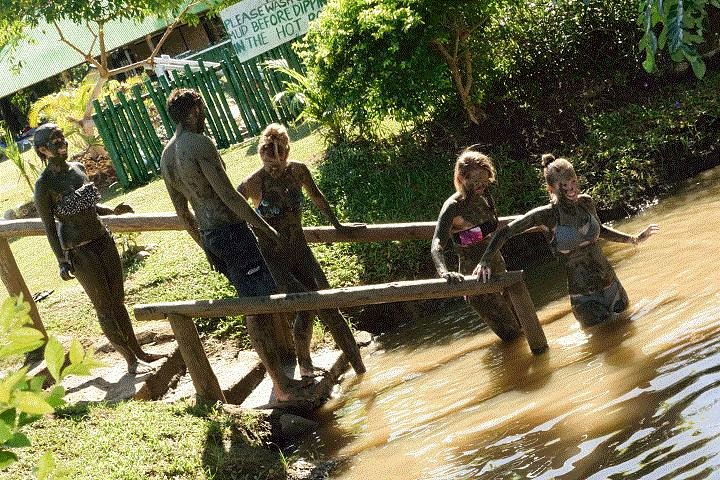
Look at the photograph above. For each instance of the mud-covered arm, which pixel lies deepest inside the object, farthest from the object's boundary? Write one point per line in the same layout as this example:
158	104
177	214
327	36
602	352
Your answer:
182	208
214	171
121	208
537	217
441	237
44	208
612	235
250	188
302	173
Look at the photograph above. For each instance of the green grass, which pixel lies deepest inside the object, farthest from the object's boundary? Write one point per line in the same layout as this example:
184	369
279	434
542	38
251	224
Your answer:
151	440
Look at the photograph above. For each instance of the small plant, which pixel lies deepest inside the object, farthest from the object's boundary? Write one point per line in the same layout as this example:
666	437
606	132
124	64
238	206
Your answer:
127	242
28	171
314	104
23	400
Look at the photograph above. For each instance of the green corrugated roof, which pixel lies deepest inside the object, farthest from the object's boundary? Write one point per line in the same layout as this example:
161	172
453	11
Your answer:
48	56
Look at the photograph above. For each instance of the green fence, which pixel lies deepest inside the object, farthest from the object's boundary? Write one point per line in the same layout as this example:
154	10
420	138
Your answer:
239	100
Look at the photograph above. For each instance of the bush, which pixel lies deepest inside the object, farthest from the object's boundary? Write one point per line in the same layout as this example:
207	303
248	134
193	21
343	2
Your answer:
22	397
381	60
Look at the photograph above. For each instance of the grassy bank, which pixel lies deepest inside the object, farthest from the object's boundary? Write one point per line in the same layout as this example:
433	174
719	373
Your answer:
141	440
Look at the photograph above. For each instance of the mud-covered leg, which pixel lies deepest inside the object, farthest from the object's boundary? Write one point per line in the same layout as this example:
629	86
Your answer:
495	311
116	288
341	333
591	313
260	330
302	335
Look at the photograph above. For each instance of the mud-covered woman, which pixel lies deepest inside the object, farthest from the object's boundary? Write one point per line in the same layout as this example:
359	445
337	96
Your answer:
574	228
466	223
82	245
276	190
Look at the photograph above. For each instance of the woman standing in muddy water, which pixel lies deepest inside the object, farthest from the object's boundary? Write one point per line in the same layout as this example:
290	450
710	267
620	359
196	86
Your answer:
468	219
276	191
82	244
571	219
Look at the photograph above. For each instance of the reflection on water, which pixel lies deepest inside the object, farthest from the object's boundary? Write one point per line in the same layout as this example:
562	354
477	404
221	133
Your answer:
640	398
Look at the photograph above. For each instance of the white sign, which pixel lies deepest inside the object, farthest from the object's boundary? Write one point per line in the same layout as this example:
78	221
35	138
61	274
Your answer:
256	26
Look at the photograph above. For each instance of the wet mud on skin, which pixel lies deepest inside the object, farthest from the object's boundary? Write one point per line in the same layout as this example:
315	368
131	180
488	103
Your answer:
443	398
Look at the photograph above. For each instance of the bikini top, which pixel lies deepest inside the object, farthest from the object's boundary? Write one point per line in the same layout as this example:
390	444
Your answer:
479	232
569	237
83	198
279	195
476	234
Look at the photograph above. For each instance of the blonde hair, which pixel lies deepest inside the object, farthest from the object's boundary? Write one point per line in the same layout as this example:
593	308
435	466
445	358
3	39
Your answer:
470	160
274	141
556	170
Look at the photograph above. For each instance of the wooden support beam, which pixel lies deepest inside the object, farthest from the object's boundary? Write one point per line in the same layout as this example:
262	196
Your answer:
206	383
15	283
525	310
325	299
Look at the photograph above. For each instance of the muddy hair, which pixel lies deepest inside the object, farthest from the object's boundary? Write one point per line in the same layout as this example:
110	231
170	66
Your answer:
274	141
42	136
180	103
470	160
556	170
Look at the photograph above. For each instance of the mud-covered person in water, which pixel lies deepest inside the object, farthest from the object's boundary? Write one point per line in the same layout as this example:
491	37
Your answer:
194	173
571	219
82	245
276	189
468	220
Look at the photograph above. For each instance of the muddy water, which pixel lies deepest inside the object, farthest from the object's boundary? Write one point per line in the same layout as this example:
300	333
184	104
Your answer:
640	398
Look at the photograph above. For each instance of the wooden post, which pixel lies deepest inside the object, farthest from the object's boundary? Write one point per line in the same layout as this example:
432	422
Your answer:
525	310
203	378
15	283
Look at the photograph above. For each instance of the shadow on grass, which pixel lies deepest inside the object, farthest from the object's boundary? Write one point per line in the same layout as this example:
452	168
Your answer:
236	446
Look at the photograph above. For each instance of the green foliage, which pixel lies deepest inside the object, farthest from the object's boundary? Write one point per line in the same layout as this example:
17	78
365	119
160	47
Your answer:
67	108
22	397
565	46
380	59
683	29
317	107
634	153
27	170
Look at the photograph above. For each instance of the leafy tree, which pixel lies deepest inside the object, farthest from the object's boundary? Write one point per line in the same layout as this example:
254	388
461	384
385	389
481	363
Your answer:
683	27
22	397
403	57
16	17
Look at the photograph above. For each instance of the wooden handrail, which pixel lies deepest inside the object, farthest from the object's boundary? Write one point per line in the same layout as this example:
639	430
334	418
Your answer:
149	222
331	298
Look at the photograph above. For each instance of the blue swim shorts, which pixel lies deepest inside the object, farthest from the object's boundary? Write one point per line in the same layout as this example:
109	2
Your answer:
234	251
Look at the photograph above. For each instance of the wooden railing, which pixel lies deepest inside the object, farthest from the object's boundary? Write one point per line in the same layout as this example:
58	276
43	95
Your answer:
15	283
181	314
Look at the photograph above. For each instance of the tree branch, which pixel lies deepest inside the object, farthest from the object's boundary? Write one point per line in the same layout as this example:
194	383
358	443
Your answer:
168	30
442	50
92	32
103	49
88	57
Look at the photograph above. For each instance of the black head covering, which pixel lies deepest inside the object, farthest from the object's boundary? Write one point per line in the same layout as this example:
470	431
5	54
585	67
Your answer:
43	134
